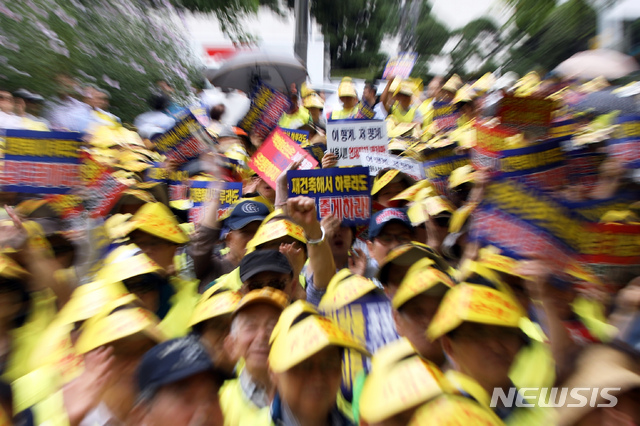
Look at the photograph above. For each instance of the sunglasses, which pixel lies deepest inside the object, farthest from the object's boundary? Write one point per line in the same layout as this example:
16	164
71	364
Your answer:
277	284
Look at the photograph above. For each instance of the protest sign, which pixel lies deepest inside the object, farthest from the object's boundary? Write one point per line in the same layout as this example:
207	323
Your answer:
438	170
185	141
342	192
103	190
400	66
275	154
202	192
267	106
316	151
445	115
526	112
541	165
348	139
301	137
408	166
177	180
41	162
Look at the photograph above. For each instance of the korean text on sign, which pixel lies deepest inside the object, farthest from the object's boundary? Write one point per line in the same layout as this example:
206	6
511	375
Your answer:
203	191
351	138
377	162
40	162
275	154
184	141
344	193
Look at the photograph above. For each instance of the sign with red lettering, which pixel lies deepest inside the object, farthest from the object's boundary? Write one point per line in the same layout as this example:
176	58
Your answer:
275	154
40	162
343	192
103	189
348	139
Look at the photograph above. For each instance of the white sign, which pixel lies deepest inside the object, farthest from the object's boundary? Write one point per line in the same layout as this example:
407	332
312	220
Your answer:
348	140
408	166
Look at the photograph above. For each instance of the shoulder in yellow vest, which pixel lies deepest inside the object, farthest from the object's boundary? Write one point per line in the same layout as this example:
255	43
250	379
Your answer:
238	410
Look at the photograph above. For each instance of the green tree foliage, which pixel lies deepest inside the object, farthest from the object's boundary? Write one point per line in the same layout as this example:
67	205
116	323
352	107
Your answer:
431	34
477	43
118	45
566	30
354	29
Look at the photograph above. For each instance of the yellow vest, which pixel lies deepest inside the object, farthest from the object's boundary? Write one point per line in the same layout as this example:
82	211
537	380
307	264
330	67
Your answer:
25	339
183	302
343	114
295	120
403	116
238	410
534	416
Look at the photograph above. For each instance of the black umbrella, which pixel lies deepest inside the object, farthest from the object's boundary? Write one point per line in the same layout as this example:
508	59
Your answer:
245	69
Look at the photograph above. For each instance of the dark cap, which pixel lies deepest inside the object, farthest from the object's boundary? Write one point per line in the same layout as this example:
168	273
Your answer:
383	217
407	255
172	361
264	261
246	212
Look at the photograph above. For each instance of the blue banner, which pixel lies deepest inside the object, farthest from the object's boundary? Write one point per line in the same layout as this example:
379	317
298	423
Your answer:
344	192
185	141
41	162
201	192
301	137
267	106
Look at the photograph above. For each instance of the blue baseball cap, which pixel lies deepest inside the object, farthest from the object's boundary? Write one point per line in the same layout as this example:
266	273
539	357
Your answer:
383	217
172	361
246	212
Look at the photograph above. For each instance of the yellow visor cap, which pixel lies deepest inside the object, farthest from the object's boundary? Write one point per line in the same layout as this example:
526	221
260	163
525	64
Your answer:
474	303
275	230
305	339
156	219
266	295
383	181
290	315
422	278
461	175
401	386
454	410
344	288
410	193
224	303
10	269
89	299
127	262
111	325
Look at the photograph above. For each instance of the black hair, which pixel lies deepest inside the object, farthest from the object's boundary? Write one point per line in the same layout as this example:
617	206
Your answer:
217	112
158	101
10	285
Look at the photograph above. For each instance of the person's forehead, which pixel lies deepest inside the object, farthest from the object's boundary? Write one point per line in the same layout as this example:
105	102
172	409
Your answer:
5	93
258	310
204	381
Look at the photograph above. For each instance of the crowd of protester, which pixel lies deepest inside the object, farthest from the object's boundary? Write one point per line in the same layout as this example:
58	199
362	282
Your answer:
272	315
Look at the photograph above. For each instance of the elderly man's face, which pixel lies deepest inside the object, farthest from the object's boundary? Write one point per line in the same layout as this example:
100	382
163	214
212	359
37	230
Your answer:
250	333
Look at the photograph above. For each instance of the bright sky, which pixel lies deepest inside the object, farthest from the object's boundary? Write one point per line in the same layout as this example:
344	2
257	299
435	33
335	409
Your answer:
457	13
